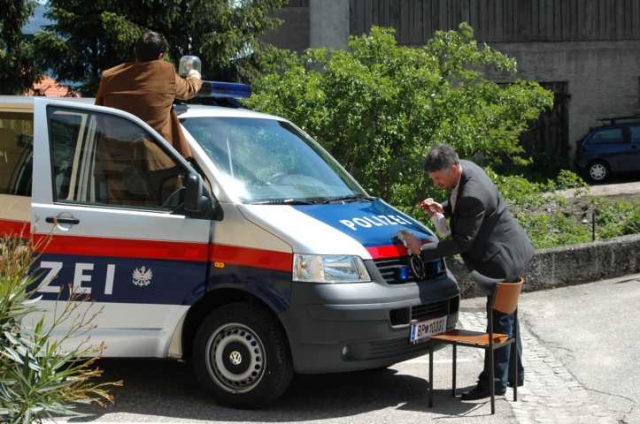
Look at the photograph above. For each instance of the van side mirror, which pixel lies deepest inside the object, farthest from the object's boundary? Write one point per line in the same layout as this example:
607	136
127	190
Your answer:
196	203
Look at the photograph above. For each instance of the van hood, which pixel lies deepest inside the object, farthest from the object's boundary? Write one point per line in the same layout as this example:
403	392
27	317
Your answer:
368	229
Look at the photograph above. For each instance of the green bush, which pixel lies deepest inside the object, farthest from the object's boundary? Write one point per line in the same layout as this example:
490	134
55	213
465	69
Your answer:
553	220
378	107
38	378
616	218
553	229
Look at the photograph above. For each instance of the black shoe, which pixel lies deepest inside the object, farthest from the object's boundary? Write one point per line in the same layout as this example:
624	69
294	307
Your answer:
480	392
520	383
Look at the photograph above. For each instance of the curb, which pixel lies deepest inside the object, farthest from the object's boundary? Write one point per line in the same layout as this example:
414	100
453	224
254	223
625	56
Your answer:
568	265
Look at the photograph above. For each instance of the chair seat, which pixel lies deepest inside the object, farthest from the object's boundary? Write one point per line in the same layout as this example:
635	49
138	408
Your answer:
471	338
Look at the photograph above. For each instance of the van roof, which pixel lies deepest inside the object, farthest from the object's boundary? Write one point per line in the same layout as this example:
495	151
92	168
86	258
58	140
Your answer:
25	103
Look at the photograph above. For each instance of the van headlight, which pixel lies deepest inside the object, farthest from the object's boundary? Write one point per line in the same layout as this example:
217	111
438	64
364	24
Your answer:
329	269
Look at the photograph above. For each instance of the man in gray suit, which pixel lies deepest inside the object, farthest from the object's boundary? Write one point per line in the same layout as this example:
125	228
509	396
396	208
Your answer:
485	234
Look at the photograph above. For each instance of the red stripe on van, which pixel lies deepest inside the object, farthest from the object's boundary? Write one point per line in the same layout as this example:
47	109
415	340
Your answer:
389	251
15	228
149	249
123	248
258	258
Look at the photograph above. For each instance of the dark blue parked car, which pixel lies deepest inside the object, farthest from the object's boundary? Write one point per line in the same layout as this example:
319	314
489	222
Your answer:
613	148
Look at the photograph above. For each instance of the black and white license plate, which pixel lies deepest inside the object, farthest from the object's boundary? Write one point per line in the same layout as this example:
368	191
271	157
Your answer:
423	330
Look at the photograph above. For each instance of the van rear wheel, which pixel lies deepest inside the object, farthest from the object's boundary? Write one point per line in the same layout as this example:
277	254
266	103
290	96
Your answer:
241	356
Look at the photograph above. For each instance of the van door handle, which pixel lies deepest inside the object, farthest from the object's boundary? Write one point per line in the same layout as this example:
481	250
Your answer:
55	220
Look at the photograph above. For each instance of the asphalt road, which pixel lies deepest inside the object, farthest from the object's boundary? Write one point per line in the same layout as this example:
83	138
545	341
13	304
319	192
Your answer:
160	391
582	359
165	391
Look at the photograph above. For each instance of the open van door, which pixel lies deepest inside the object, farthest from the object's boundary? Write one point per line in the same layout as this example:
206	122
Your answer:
110	191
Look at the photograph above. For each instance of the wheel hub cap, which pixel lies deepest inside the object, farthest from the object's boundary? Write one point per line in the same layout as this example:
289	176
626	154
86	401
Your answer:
598	172
236	358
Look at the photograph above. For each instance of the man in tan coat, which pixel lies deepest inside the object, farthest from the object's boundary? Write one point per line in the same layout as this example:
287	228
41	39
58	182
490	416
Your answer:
148	87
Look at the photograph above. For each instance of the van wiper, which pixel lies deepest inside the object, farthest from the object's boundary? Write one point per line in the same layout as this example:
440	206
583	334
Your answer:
283	202
314	200
348	199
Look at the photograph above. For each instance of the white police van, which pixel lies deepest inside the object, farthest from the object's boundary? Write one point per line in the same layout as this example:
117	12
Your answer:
262	258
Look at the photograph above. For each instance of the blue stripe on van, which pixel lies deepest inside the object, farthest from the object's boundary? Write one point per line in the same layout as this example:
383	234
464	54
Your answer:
170	282
149	281
370	223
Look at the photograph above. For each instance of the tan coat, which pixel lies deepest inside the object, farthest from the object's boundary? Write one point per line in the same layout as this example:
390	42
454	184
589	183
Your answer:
148	90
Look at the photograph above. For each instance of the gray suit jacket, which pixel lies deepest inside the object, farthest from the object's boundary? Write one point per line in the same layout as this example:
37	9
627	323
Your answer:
483	231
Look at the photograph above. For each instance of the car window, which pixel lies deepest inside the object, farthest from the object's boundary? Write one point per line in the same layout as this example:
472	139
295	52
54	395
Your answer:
16	153
608	136
635	134
106	160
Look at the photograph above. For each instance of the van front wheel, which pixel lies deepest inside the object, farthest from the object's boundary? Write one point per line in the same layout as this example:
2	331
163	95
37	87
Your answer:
241	356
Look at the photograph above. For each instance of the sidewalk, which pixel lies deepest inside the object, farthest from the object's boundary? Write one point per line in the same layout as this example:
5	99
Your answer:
551	394
621	189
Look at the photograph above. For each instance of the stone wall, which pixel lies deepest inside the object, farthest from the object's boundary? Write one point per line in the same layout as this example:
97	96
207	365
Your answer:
563	266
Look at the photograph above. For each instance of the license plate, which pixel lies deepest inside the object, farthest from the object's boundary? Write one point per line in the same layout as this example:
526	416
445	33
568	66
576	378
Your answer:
425	329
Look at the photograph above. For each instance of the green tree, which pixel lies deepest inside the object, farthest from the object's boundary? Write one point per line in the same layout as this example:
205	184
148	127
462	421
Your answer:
88	37
378	107
18	70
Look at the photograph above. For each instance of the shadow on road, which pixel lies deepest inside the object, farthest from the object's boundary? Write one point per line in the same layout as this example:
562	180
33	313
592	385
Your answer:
168	389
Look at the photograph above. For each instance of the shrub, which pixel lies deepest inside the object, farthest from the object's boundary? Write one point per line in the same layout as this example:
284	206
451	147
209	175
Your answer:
616	218
378	107
38	377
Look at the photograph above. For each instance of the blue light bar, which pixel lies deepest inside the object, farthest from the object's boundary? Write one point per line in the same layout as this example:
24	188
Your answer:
227	90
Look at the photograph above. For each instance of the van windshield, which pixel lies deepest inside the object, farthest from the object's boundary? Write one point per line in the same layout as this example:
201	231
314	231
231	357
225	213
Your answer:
271	162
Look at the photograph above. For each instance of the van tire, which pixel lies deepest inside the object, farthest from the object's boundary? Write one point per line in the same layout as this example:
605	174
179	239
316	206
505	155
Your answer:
598	171
241	356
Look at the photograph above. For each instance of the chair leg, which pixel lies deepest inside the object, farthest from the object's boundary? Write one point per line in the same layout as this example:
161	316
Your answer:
492	382
515	371
430	377
453	372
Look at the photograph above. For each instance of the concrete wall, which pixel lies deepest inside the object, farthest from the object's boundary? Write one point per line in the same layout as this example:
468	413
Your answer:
563	266
293	34
329	23
603	77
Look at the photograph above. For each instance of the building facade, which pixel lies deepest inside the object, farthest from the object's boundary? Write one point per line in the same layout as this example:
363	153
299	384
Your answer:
586	51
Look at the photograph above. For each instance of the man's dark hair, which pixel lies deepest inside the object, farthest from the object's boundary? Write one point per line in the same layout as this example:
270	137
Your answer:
149	46
441	156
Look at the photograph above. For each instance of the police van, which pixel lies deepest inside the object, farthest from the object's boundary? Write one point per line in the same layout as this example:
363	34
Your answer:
259	259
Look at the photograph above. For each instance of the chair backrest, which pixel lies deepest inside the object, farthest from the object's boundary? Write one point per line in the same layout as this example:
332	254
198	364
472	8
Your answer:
506	296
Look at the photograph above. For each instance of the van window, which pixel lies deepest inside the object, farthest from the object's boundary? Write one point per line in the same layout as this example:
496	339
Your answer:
635	134
263	160
16	153
105	160
610	136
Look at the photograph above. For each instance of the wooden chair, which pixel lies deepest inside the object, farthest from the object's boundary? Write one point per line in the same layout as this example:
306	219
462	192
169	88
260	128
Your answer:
503	299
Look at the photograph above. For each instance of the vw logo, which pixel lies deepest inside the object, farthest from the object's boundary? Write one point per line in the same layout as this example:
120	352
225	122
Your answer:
418	268
235	357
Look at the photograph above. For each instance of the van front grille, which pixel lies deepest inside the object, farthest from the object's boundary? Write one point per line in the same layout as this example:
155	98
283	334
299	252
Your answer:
435	309
398	270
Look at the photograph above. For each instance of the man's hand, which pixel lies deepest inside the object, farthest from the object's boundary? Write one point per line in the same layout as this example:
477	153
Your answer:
431	207
412	243
194	74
